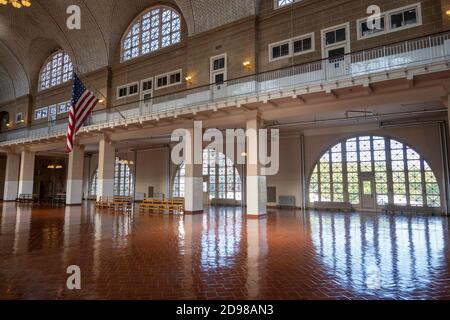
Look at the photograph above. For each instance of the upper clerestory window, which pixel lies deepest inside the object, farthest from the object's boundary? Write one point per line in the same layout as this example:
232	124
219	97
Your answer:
56	70
154	29
284	3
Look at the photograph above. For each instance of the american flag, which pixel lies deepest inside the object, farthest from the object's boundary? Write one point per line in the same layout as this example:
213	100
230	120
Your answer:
82	104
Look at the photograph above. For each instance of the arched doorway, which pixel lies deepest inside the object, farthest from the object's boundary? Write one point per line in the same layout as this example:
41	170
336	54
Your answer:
221	180
373	167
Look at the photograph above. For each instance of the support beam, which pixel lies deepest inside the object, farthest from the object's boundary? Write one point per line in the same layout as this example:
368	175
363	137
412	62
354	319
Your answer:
11	177
75	177
193	189
26	179
106	161
256	183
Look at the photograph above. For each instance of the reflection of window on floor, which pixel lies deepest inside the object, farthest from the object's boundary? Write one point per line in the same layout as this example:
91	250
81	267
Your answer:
222	179
123	180
402	176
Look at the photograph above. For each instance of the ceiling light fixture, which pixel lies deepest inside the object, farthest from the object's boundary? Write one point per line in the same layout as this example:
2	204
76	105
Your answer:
17	3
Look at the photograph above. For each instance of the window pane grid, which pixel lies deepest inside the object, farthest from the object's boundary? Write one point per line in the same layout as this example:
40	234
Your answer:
402	177
58	70
220	175
155	29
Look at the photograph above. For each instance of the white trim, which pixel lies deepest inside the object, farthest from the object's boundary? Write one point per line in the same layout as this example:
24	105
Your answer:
290	42
132	84
387	21
224	70
40	109
168	74
63	103
118	97
127	87
336	45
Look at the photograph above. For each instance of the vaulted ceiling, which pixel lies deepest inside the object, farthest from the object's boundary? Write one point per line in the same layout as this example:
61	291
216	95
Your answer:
28	36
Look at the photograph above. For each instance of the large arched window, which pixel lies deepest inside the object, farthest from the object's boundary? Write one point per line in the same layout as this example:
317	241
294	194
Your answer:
154	29
56	70
221	178
123	180
375	167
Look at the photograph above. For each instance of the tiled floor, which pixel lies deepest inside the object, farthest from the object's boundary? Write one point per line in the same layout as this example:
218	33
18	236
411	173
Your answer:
221	255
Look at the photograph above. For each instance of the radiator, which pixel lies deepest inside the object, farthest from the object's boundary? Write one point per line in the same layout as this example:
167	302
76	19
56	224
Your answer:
286	201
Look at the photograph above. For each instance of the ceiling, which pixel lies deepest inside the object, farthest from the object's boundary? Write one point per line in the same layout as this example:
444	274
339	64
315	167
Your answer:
28	36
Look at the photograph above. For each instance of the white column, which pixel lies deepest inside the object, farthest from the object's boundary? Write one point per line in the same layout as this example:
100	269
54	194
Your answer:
26	180
256	183
193	182
75	177
11	177
106	161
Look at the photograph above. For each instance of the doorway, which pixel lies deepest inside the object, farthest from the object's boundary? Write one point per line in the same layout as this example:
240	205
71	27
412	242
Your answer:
146	96
218	74
367	187
336	44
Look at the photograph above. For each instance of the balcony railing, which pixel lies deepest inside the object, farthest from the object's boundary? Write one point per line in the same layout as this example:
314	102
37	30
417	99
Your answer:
406	54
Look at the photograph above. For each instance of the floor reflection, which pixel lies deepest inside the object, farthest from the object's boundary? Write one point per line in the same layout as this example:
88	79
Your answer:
221	255
381	255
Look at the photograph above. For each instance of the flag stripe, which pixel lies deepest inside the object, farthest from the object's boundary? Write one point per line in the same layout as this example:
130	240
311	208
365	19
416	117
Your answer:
82	104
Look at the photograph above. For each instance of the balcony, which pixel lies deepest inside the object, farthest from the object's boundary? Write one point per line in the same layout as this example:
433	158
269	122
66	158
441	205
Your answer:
400	60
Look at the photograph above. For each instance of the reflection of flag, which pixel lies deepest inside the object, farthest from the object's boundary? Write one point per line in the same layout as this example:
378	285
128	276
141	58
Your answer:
82	103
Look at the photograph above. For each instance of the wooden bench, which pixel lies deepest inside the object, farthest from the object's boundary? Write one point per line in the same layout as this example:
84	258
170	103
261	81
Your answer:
121	203
59	199
391	208
28	198
103	203
115	203
162	205
333	206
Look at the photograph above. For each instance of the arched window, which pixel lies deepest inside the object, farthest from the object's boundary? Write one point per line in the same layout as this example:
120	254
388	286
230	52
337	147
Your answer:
154	29
381	168
222	178
123	180
57	69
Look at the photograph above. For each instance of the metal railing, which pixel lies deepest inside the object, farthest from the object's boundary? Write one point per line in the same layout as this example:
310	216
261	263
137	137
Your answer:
405	54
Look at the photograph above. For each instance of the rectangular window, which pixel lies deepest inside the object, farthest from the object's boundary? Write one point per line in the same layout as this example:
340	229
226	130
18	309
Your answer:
19	117
64	107
133	89
122	92
128	90
292	47
335	36
41	113
147	85
391	21
403	18
168	79
280	51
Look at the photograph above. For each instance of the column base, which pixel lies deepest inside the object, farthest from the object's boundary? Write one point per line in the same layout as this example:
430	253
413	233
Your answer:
193	212
73	204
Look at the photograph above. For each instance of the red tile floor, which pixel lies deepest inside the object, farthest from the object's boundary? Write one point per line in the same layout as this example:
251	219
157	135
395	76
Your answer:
221	255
